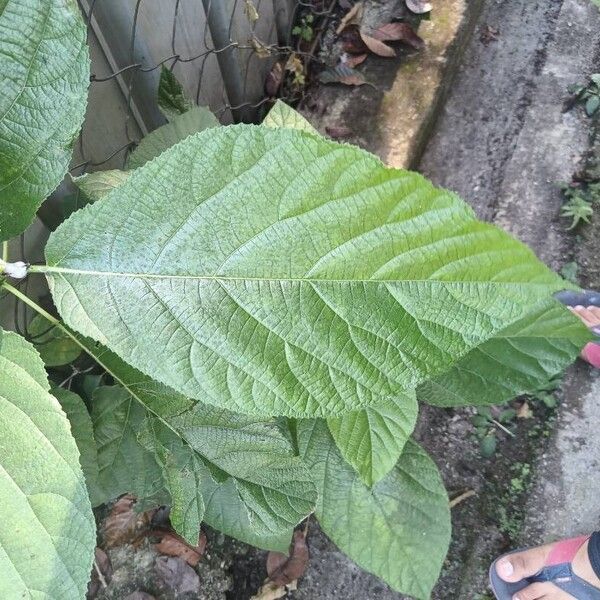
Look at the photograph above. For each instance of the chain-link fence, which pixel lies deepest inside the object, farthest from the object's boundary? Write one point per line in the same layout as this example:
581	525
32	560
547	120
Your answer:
222	51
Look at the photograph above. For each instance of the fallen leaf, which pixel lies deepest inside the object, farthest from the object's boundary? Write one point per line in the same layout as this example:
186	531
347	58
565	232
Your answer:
261	49
524	412
342	74
123	525
283	569
176	574
272	591
399	32
419	7
101	573
140	596
489	34
337	133
353	60
377	46
273	80
352	17
352	42
172	544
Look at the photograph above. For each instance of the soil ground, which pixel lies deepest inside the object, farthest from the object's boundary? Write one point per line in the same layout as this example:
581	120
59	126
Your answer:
502	142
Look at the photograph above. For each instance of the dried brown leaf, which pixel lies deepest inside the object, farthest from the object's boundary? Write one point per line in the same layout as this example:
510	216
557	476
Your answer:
123	525
273	80
354	60
283	569
419	7
524	411
399	32
352	17
272	591
172	544
377	46
177	575
352	42
342	74
250	10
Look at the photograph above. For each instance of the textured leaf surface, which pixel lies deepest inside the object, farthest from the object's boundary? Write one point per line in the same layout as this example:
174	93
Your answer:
47	535
96	185
172	100
514	362
282	115
44	70
258	508
182	126
124	464
399	529
55	347
371	440
83	432
273	272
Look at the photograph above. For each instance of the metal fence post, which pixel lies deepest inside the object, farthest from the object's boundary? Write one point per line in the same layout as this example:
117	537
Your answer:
219	23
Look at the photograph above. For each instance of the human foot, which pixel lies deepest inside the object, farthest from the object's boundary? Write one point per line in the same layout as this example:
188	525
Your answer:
560	571
590	315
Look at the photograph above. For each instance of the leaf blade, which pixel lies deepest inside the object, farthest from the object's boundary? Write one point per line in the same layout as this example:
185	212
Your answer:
44	68
46	495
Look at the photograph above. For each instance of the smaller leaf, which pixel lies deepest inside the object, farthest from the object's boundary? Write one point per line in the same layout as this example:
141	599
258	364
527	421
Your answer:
251	12
354	60
95	186
419	7
592	105
399	32
55	347
172	100
177	575
352	17
124	525
282	115
487	446
377	46
342	74
283	569
172	544
182	126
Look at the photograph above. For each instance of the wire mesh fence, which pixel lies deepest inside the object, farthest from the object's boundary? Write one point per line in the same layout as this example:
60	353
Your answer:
230	55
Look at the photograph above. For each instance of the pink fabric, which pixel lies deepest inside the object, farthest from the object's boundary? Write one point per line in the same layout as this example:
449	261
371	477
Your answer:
565	551
591	353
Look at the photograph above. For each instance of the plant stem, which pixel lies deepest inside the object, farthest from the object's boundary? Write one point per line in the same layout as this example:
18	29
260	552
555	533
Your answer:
31	303
500	426
5	251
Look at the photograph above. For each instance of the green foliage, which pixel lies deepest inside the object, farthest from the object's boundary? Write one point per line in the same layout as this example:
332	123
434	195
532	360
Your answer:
589	94
48	533
172	100
196	119
44	70
399	529
239	274
305	30
580	201
54	346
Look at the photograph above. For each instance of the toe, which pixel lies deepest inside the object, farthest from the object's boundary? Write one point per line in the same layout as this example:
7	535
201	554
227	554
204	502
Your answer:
585	314
517	566
536	591
595	310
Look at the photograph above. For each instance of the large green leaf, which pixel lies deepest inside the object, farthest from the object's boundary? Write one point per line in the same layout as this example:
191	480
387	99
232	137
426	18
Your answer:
513	362
273	272
44	70
47	533
372	439
83	432
124	464
399	529
259	508
182	126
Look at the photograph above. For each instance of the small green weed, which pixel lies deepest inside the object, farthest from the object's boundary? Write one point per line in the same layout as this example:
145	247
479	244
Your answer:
588	94
580	202
305	29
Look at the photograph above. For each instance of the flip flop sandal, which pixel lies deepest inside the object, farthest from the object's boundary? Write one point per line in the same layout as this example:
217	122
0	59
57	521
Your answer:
557	570
583	298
